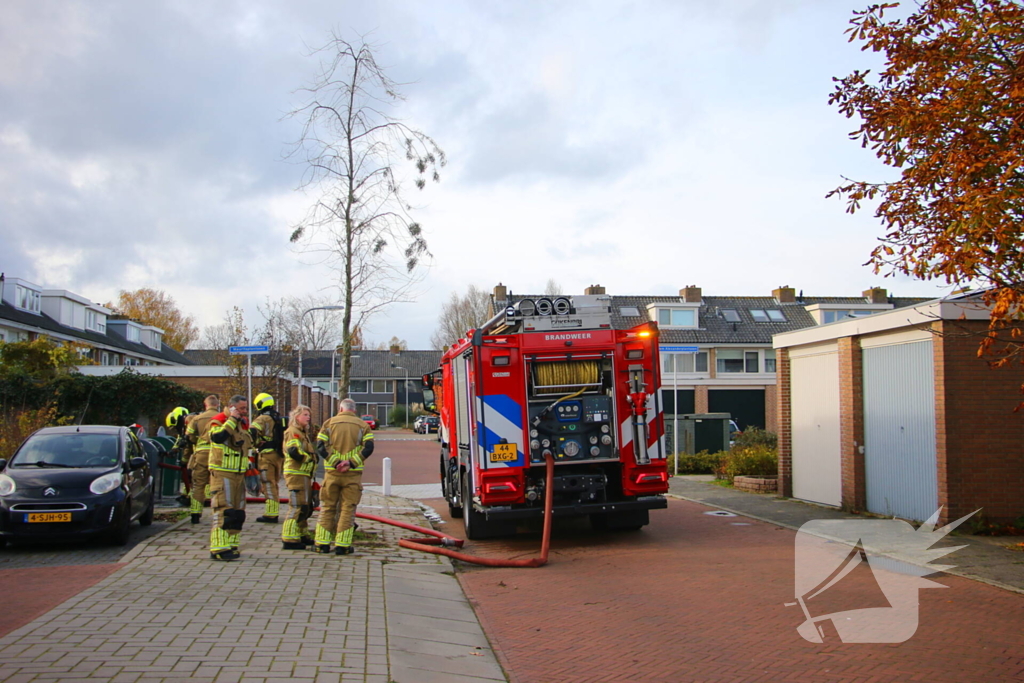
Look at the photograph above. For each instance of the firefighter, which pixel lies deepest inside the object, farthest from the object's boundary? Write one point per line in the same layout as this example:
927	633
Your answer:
299	466
229	459
267	433
177	422
344	442
199	464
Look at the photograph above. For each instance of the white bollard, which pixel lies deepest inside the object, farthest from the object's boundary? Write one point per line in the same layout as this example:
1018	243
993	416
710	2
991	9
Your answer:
387	476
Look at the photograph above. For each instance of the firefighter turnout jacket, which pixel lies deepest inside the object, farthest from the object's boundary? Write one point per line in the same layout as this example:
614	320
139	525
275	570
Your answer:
229	451
300	455
345	437
267	430
198	430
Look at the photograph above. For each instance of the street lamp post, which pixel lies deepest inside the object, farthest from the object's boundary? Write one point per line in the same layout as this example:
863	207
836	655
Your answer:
301	344
406	389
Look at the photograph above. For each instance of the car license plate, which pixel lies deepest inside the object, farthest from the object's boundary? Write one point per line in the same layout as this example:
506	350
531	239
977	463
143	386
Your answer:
48	517
505	452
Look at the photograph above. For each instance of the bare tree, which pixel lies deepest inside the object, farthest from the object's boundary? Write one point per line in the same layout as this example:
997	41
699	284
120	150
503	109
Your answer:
361	224
552	288
285	322
460	314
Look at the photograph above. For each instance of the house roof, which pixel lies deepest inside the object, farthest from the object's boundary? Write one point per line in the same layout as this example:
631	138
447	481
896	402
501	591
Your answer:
366	364
713	328
112	338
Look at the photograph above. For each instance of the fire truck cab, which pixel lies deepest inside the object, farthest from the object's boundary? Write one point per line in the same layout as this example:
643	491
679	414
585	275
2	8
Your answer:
551	377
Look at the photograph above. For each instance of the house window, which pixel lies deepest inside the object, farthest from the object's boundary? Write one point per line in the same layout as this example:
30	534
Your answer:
677	317
629	311
731	315
133	334
383	386
775	315
357	386
27	299
685	362
736	360
105	358
90	319
769	360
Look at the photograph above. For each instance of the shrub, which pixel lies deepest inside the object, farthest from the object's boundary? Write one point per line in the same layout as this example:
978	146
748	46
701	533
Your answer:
755	436
757	460
697	463
397	416
15	427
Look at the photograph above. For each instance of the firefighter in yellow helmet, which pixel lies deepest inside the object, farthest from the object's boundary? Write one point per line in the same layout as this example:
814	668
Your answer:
177	422
344	442
267	433
299	465
198	433
229	459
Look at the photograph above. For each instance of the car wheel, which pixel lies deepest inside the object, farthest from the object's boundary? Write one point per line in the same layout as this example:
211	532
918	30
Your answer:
119	534
147	517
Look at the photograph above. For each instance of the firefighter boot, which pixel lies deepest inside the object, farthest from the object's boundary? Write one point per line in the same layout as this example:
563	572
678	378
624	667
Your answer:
293	545
343	550
196	516
321	548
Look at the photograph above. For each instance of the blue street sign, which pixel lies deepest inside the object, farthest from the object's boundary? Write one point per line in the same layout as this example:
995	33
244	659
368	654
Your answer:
248	350
679	349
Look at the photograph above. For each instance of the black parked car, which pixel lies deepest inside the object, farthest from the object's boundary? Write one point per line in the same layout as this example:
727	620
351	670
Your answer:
75	481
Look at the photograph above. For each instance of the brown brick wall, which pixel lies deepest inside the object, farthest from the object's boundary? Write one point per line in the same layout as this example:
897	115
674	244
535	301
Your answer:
851	423
700	398
784	427
980	439
771	410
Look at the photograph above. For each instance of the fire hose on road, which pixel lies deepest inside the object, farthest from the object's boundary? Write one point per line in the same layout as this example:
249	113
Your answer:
439	543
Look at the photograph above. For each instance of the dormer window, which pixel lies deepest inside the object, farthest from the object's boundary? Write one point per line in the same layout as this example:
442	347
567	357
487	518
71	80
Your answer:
132	333
27	299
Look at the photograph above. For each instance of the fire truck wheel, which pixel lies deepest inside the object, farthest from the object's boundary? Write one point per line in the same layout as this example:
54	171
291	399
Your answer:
448	487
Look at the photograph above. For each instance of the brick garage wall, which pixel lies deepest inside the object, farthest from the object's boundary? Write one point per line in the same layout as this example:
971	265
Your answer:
851	423
784	427
771	409
980	440
700	399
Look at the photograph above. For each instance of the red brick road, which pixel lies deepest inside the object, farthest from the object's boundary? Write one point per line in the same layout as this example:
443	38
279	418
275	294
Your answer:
30	593
414	459
694	597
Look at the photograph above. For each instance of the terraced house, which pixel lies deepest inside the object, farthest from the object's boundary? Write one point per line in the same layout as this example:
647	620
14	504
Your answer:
27	312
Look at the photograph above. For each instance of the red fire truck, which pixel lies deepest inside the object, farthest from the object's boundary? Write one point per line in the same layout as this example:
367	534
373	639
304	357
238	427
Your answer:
551	377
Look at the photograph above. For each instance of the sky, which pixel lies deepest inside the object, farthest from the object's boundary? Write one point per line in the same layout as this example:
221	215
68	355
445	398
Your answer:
643	146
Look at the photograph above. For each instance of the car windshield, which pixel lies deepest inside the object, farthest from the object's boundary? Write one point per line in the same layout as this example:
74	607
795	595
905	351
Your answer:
68	450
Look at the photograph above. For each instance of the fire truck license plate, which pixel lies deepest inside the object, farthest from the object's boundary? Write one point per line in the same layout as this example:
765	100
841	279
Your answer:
48	517
504	452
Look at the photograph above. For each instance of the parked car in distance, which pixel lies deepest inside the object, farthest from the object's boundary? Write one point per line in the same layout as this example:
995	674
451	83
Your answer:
370	420
77	481
431	423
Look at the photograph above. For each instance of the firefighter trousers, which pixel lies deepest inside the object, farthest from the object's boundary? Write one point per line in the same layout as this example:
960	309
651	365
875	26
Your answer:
227	500
271	464
339	496
200	466
300	508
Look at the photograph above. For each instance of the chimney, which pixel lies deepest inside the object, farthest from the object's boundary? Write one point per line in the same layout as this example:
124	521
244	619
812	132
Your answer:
876	295
594	289
501	293
784	294
690	294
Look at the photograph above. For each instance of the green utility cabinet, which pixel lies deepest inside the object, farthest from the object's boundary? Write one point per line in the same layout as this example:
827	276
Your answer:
704	432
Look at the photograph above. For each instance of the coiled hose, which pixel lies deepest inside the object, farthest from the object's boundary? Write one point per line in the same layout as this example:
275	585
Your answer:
554	378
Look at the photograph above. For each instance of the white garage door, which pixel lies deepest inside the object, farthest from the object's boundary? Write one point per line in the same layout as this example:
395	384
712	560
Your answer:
899	430
814	396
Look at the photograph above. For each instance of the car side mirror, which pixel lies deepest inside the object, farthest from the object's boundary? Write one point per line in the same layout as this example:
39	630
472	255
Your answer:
3	464
137	463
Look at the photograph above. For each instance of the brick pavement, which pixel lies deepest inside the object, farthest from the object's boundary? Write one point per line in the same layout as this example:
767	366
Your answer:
172	614
694	597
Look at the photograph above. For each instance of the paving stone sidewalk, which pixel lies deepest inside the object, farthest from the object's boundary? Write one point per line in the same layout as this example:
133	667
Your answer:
171	614
983	559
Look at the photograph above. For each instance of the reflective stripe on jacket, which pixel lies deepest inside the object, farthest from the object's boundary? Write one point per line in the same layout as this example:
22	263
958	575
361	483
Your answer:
233	454
344	436
294	437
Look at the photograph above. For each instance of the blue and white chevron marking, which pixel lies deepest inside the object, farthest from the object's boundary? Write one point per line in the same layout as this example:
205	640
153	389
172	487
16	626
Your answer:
502	419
